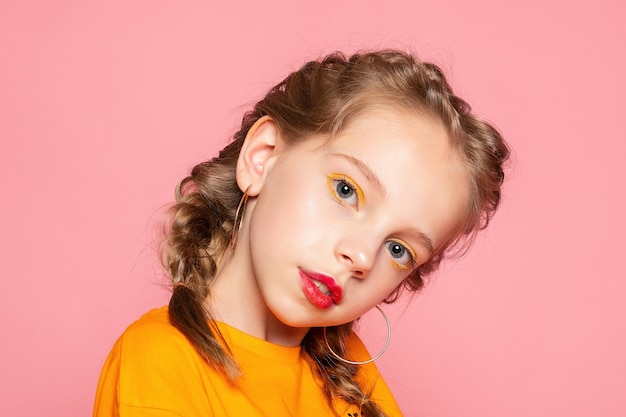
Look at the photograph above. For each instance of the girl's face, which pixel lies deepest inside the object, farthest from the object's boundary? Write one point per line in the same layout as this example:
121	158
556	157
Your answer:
339	224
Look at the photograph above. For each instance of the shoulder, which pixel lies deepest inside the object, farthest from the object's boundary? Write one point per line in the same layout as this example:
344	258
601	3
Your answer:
154	344
356	348
153	330
152	366
370	378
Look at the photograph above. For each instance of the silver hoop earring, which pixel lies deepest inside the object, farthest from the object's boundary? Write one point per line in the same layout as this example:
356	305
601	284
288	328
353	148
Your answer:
378	355
237	221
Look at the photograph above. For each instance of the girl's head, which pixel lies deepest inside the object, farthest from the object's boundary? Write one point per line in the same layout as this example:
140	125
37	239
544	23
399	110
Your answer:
349	159
324	97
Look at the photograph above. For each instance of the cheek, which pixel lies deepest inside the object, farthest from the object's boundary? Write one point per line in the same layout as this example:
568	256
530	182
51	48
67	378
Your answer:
288	215
382	280
387	286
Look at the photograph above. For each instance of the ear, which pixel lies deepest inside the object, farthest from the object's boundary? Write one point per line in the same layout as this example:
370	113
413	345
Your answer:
257	155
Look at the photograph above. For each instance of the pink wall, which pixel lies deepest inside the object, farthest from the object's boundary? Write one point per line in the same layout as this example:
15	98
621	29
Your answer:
104	105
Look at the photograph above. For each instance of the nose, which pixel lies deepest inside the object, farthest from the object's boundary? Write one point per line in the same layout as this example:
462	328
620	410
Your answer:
357	254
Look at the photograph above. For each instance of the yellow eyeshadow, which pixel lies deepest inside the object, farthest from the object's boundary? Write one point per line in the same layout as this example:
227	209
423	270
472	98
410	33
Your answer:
341	177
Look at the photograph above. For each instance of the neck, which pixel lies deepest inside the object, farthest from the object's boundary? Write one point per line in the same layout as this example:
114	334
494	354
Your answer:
234	298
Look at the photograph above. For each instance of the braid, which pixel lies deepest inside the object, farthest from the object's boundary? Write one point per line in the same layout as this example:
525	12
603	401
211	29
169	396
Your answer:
199	231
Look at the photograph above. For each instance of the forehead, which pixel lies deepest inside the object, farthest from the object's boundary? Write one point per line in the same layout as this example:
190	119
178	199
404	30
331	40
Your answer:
424	178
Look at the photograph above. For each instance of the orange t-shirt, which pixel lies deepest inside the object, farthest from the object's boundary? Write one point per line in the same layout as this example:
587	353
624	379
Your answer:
153	371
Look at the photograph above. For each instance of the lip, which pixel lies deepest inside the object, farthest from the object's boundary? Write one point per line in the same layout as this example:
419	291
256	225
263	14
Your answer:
314	295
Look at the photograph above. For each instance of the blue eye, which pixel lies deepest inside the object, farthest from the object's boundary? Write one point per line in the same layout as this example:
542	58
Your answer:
343	189
400	254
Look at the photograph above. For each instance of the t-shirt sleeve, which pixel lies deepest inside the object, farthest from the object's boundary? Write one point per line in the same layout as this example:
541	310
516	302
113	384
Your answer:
152	371
371	380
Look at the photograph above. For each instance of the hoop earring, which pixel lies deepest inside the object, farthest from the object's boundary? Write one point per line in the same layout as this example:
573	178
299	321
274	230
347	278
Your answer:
237	221
378	355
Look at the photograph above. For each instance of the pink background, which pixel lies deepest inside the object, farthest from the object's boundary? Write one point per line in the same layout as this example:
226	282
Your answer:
105	105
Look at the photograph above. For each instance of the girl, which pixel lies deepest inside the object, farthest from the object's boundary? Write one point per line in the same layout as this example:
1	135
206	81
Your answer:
348	183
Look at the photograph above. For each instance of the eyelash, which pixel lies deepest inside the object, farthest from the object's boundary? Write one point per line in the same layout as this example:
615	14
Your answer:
333	182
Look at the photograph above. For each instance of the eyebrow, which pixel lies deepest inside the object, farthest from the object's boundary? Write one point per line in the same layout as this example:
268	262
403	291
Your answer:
367	172
424	239
371	176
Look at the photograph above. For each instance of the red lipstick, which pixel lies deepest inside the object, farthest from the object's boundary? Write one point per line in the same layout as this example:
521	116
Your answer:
310	286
